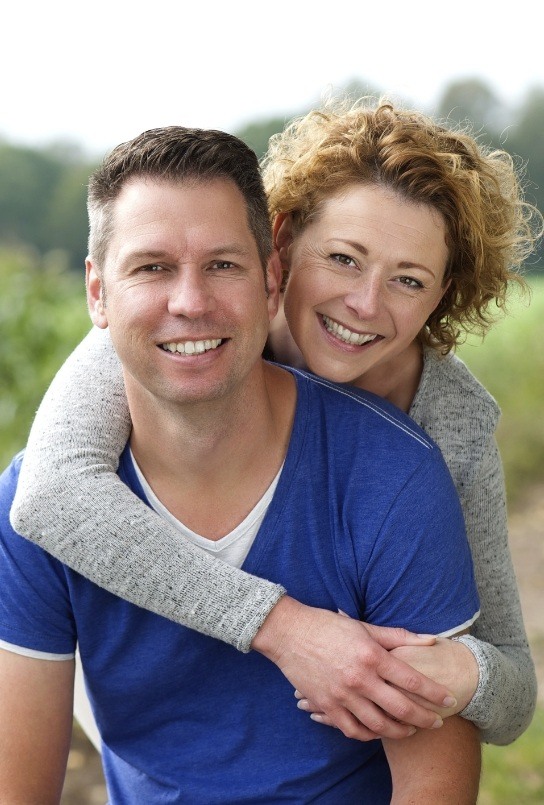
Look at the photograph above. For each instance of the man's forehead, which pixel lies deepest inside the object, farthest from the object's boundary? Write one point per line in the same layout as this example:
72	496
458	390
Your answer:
217	200
154	216
141	184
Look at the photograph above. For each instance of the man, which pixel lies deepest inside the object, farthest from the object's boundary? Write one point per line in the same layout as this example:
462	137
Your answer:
181	271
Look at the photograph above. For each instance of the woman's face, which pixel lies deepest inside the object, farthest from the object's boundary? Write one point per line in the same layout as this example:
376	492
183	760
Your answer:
365	275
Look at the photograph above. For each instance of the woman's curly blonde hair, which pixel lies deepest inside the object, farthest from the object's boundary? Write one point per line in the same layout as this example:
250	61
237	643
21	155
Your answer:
490	229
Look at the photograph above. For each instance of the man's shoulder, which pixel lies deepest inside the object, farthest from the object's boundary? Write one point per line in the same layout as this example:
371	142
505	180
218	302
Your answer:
8	481
362	414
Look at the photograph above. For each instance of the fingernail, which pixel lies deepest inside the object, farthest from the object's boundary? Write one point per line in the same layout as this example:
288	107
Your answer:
438	723
426	636
412	731
449	701
316	717
298	694
302	704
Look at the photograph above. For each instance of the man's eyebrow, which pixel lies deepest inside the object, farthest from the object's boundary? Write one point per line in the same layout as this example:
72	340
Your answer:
234	249
146	254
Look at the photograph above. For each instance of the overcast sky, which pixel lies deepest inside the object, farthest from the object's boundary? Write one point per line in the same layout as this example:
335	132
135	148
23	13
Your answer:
101	72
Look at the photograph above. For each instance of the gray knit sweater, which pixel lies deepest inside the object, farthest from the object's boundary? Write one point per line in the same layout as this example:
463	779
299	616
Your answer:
71	502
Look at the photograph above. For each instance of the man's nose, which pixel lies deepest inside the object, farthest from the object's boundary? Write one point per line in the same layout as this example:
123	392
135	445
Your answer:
191	295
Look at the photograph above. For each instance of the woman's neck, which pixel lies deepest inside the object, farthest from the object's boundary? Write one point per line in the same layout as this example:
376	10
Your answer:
396	380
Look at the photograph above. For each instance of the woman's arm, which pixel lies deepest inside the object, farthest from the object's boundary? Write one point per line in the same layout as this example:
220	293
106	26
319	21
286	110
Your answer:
505	699
461	417
502	695
71	502
501	691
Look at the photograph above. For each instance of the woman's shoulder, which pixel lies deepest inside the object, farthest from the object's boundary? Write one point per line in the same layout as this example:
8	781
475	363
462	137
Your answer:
451	405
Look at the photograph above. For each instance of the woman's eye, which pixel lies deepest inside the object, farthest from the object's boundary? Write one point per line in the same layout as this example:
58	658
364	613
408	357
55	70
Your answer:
343	259
410	282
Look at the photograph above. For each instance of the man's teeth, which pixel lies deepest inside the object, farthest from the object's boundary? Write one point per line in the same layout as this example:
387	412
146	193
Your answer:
346	335
192	347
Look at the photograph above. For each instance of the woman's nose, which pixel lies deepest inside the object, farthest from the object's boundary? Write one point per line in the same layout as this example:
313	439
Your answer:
365	297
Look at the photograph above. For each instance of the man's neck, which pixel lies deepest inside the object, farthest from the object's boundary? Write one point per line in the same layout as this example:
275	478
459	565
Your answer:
209	464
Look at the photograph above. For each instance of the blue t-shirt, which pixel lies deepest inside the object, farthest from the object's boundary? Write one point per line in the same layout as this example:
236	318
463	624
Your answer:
365	519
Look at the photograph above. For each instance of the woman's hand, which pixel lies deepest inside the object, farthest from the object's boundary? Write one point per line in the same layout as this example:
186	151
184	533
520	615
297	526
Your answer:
349	674
448	662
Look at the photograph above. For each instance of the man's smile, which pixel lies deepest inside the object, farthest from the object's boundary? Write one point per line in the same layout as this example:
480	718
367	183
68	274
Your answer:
192	347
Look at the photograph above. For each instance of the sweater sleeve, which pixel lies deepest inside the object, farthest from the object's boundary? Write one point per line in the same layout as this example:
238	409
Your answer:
71	502
505	700
461	416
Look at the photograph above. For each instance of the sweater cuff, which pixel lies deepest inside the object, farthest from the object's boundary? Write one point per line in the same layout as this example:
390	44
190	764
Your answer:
473	710
267	599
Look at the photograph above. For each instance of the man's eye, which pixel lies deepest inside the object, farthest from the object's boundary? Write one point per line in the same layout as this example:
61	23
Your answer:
223	264
343	259
152	267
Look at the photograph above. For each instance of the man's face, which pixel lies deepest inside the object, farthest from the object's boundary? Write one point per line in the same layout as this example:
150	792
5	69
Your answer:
183	291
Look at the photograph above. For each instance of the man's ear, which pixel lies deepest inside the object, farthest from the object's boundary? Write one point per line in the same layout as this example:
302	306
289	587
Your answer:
282	231
95	295
273	283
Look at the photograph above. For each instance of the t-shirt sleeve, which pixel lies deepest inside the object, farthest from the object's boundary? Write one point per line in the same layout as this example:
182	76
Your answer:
35	610
419	573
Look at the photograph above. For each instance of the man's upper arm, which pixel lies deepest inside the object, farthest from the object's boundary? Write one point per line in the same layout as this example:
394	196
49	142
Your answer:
36	701
434	766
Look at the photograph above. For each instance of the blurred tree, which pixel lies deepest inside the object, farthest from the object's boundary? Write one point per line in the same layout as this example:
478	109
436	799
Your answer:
27	177
516	131
525	139
42	317
42	193
356	89
42	199
257	134
472	101
66	217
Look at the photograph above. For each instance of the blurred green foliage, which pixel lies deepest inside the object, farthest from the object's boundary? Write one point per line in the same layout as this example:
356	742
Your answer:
510	364
43	315
514	775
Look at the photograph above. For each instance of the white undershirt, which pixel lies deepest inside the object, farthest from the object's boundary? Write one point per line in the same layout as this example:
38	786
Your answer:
233	547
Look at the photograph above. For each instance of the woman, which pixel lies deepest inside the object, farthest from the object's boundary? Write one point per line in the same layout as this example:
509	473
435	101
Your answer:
354	195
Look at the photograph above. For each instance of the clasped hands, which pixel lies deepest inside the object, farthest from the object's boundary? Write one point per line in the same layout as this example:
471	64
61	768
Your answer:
368	681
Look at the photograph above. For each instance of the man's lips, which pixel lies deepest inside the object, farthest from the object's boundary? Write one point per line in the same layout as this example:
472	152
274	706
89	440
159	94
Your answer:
192	347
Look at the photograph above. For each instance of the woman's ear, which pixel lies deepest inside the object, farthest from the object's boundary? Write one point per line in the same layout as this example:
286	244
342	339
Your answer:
282	231
444	292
